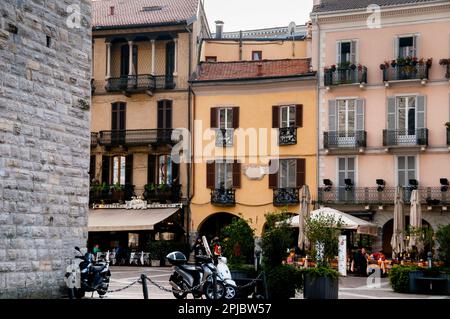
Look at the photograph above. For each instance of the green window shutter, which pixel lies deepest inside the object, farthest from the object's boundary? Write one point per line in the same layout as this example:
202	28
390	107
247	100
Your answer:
391	114
332	118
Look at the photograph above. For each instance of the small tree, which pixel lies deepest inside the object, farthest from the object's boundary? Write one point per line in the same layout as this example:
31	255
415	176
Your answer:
443	239
239	241
323	231
277	239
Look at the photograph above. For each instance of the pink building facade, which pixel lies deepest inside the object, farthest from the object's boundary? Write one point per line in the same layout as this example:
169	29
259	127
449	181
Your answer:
384	101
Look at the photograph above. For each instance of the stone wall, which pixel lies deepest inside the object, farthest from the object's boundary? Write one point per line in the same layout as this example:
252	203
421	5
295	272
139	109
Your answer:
45	62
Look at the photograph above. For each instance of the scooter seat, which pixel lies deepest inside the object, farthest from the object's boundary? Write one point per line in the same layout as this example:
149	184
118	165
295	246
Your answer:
99	267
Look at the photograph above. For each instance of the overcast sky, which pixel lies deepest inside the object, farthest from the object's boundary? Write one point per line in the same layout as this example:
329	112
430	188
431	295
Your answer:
254	14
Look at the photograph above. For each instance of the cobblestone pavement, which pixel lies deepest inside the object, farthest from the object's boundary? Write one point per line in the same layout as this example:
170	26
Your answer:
349	287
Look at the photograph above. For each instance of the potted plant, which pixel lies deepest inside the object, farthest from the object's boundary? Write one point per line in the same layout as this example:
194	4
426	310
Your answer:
322	282
117	193
149	191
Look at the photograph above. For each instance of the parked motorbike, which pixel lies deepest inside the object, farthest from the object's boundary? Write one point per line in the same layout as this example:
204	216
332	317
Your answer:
225	275
87	276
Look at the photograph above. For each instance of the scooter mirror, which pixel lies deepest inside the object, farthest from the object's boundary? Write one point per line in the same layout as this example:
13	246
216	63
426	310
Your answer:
206	245
77	249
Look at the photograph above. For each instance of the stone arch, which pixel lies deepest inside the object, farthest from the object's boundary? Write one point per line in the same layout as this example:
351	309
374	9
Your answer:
212	225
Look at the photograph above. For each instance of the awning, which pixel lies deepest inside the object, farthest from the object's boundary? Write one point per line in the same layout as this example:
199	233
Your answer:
104	220
348	221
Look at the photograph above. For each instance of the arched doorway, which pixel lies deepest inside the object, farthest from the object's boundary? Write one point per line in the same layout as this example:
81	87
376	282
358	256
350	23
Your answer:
388	230
213	225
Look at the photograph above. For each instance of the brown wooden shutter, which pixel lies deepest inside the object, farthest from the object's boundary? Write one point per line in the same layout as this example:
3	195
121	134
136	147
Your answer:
273	178
236	174
105	169
235	117
211	175
301	172
299	115
214	123
275	116
129	170
151	169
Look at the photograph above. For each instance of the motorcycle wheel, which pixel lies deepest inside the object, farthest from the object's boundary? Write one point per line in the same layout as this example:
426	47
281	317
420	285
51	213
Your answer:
208	290
79	293
103	290
179	294
230	292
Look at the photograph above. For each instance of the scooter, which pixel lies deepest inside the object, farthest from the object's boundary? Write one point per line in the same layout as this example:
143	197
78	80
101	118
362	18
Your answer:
224	273
87	276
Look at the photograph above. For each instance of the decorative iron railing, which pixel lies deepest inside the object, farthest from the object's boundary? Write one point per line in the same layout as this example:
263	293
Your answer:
432	196
344	139
405	137
286	196
223	197
448	135
162	193
288	136
94	139
136	137
110	194
347	75
139	83
406	72
224	137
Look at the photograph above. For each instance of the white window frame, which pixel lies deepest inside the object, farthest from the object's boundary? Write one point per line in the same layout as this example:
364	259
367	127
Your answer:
288	119
339	48
346	131
406	112
228	112
291	172
396	166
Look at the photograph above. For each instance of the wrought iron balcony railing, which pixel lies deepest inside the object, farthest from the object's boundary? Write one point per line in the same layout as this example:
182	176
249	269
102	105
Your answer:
448	135
162	193
224	137
432	196
286	196
94	139
347	75
140	83
447	74
405	137
110	194
336	140
223	197
406	72
136	137
288	135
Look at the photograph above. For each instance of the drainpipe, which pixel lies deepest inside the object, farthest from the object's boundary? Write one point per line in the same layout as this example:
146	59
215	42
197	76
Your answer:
188	210
318	103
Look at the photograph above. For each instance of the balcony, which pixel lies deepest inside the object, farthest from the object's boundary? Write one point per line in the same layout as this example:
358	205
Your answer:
286	197
431	196
446	63
345	140
411	71
287	136
140	83
94	139
224	137
162	193
393	138
350	75
136	137
110	194
448	135
223	197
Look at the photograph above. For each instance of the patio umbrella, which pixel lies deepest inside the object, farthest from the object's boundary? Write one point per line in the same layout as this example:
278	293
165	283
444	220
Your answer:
415	219
397	241
304	214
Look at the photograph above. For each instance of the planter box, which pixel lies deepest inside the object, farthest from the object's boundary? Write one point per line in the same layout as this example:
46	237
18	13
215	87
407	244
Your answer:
320	287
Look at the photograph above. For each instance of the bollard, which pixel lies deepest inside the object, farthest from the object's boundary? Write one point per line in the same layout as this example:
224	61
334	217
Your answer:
430	260
144	286
266	291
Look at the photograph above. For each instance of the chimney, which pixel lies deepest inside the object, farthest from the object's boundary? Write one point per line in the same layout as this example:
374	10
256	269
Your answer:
260	71
219	29
111	10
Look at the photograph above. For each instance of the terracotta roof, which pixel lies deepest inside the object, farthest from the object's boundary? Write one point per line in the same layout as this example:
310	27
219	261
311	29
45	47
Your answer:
337	5
225	71
132	12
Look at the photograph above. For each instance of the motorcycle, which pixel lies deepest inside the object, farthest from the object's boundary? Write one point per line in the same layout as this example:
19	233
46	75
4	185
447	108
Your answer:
225	275
87	276
200	279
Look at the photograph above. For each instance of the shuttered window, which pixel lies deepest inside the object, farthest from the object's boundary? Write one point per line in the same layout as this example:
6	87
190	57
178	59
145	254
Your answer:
223	175
225	118
165	114
291	173
284	116
118	118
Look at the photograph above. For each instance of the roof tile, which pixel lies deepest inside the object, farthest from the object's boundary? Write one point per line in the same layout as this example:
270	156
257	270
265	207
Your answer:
337	5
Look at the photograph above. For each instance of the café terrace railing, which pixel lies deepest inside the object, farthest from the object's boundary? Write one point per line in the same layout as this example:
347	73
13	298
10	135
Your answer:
286	196
136	137
223	197
335	140
405	138
432	196
140	83
347	75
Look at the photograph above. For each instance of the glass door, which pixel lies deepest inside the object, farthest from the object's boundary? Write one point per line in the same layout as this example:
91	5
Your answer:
346	170
406	120
346	113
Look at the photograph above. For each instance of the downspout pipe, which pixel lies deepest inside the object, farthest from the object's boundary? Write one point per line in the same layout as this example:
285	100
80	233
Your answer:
188	210
318	103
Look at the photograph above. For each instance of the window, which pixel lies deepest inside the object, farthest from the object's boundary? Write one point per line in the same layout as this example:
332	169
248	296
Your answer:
288	116
119	170
165	114
407	46
406	169
346	52
118	116
256	55
346	170
288	174
165	166
224	175
346	117
406	115
211	59
225	118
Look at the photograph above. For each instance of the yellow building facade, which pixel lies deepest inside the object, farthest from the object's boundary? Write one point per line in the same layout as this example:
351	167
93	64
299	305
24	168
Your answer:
275	113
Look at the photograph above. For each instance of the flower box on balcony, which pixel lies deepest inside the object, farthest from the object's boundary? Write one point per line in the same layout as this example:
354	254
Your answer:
406	69
345	74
